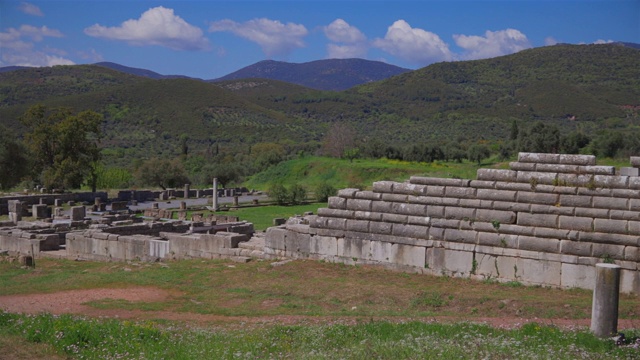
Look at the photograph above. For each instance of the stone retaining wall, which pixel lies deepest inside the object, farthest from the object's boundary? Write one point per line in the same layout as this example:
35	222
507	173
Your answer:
547	221
49	199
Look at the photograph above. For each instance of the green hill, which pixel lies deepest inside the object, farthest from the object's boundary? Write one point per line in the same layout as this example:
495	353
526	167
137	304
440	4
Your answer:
586	87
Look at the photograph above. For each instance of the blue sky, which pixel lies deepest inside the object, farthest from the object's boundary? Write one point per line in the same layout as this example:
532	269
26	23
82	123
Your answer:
209	39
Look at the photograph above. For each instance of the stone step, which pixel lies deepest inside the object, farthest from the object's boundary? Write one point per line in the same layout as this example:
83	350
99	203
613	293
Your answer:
256	243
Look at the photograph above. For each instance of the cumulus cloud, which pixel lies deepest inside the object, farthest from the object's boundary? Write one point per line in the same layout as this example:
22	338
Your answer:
412	44
550	40
492	44
18	47
30	9
274	37
351	42
601	41
156	26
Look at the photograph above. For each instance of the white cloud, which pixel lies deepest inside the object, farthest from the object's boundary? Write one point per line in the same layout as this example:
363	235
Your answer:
156	26
274	37
352	43
30	9
550	40
494	43
91	55
18	47
601	41
412	44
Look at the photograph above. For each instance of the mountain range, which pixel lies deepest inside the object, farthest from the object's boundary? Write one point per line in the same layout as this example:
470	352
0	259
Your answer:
576	87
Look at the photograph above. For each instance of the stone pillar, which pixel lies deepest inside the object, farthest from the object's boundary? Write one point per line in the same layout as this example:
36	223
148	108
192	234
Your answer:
183	205
606	293
39	211
15	210
235	201
57	202
186	190
214	198
78	213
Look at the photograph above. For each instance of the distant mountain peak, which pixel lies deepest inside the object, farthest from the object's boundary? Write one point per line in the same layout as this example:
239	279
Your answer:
330	74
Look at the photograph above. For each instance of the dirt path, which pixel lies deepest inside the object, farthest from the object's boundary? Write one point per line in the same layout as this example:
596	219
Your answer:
72	302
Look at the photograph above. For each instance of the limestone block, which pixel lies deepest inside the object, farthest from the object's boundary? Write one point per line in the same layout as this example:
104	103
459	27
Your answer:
336	224
410	189
323	245
330	232
384	186
368	195
629	171
359	204
540	220
381	207
537	198
367	215
625	193
605	251
486	265
358	225
436	233
511	206
541	178
157	249
610	203
514	186
578	248
634	161
497	175
572	159
409	209
445	223
482	184
498	195
634	227
577	276
527	157
497	240
410	231
632	253
629	282
394	218
522	166
78	213
609	181
336	213
435	191
274	238
538	244
576	201
444	201
419	220
460	192
543	232
451	212
14	206
347	193
40	211
336	202
502	217
609	238
552	210
464	236
539	272
383	228
435	211
395	197
557	168
438	181
634	182
408	255
379	251
353	248
591	213
458	262
575	223
610	226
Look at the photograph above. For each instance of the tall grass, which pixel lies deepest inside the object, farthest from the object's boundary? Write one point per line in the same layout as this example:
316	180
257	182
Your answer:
111	339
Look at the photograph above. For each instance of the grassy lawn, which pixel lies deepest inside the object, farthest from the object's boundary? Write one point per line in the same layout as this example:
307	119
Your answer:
262	216
381	304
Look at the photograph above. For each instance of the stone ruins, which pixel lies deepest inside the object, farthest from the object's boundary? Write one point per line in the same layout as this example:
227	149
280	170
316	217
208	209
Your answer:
545	221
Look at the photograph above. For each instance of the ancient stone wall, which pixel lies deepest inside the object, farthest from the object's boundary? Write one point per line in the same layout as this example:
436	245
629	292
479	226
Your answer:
49	199
547	220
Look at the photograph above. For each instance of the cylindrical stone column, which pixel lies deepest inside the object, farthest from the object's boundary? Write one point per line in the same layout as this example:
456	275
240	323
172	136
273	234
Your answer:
214	198
606	294
235	201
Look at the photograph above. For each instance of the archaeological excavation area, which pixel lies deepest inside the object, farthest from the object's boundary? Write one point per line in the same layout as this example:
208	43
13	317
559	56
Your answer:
547	220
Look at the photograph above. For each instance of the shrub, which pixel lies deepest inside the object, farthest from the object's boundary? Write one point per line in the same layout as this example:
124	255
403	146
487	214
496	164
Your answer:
279	194
297	194
324	191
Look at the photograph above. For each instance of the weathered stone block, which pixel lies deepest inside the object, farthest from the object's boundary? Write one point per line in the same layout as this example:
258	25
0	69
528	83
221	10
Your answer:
367	215
435	211
458	263
497	175
632	253
438	181
538	244
501	217
557	168
465	236
409	209
410	231
572	159
498	195
78	213
610	203
605	251
540	220
380	228
408	255
609	238
521	166
577	276
336	202
530	177
395	218
335	213
358	225
435	190
482	184
537	198
460	192
353	248
381	207
348	193
394	197
410	189
527	157
608	181
539	272
451	212
384	186
575	201
552	210
629	282
591	213
359	205
497	240
511	206
578	248
543	232
368	195
469	203
575	223
610	226
419	220
40	211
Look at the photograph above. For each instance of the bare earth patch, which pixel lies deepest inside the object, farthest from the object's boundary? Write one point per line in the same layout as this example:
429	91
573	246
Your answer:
73	302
